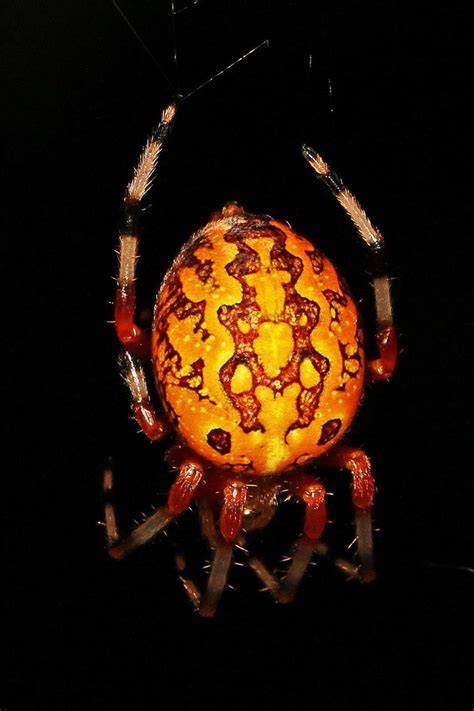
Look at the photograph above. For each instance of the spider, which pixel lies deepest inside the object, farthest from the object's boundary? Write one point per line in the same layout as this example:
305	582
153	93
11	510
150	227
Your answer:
258	359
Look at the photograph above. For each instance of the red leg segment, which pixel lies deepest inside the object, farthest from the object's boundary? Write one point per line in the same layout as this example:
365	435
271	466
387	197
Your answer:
179	497
382	368
363	489
313	494
109	510
232	513
153	426
184	488
133	338
234	494
358	463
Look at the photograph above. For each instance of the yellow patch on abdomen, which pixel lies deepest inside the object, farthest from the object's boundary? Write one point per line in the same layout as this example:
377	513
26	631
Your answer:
274	346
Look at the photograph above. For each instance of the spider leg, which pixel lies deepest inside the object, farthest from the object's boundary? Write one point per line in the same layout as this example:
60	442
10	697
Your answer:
207	521
300	560
190	587
382	367
313	493
154	426
232	512
109	509
363	489
141	534
133	338
297	569
345	566
179	497
304	550
208	529
230	525
221	540
218	577
270	581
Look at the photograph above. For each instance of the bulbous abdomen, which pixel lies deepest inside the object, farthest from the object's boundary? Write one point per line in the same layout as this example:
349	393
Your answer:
257	350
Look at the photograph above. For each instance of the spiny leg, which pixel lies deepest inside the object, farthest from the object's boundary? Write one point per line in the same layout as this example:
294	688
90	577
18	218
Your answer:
207	521
179	497
154	426
230	525
218	577
190	587
313	494
221	541
381	368
260	507
363	489
117	548
303	553
109	509
300	562
133	338
209	532
270	581
345	566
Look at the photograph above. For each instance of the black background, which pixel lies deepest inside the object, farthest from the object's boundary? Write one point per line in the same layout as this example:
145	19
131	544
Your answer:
80	96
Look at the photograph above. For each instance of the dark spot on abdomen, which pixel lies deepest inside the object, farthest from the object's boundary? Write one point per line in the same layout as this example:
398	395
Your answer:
329	431
220	440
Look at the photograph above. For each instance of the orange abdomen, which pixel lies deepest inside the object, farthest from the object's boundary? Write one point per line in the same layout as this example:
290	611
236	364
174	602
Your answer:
257	349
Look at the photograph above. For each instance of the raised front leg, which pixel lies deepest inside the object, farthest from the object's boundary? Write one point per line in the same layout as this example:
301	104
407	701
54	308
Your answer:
363	489
382	367
133	338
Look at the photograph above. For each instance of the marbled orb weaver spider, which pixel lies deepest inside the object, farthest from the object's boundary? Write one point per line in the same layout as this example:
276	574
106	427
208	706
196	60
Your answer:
258	360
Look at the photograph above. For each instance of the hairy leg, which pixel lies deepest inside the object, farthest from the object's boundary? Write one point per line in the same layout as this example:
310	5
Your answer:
133	338
363	489
234	495
179	497
154	426
221	540
218	577
382	367
313	494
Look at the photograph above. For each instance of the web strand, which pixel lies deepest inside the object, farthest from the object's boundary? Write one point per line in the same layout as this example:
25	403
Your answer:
265	43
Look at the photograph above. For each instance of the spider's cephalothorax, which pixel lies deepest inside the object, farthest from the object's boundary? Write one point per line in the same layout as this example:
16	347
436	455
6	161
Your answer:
258	359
